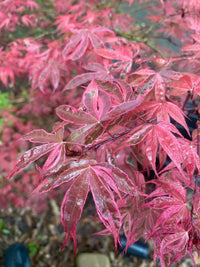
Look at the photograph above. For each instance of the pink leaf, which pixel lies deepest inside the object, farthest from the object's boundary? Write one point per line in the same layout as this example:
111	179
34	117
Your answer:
124	108
70	114
97	103
169	144
41	136
72	205
106	206
30	156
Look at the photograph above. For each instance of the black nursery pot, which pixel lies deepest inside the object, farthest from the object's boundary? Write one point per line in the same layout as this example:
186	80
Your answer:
138	249
17	256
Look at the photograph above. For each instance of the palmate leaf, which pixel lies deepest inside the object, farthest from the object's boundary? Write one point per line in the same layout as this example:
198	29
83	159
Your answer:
6	74
9	65
146	81
170	198
120	53
163	111
123	108
47	68
48	72
97	112
73	115
175	214
139	77
41	136
52	143
171	244
155	135
97	104
72	206
123	55
176	241
98	72
30	156
114	176
118	90
169	240
87	175
189	82
73	169
104	181
194	48
191	160
78	44
164	132
106	206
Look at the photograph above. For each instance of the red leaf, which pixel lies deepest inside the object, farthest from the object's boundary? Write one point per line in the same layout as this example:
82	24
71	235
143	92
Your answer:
47	68
169	143
72	205
151	148
188	83
163	111
118	54
72	171
176	113
118	90
190	157
55	160
159	88
138	134
124	108
176	242
97	103
54	144
70	114
106	206
7	73
123	181
175	214
99	72
41	136
81	40
30	156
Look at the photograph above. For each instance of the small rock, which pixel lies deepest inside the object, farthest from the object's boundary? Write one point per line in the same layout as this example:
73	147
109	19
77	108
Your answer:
92	260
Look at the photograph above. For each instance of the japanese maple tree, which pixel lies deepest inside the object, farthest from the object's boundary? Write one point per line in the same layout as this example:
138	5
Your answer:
122	102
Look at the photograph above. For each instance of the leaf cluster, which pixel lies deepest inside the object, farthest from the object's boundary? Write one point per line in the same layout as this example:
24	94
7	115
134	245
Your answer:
121	107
